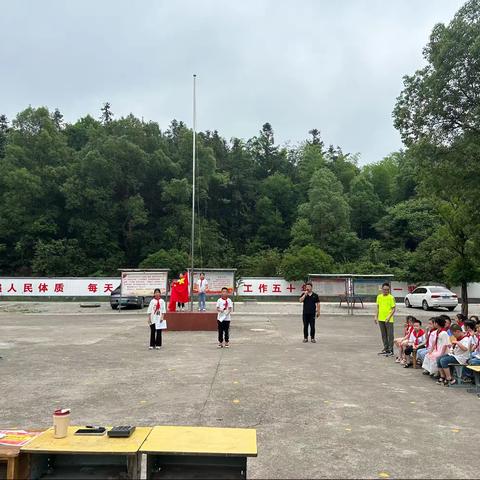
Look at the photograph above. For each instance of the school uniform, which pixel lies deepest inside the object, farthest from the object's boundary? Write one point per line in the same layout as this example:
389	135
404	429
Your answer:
224	308
438	348
421	352
156	310
474	359
456	354
414	339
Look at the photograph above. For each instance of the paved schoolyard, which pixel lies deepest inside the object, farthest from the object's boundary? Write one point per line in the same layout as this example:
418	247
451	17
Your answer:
332	409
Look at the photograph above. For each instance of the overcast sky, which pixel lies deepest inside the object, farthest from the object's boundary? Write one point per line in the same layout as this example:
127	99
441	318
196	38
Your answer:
332	65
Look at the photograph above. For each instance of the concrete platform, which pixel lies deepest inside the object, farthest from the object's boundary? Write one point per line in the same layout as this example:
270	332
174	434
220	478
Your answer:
328	410
191	321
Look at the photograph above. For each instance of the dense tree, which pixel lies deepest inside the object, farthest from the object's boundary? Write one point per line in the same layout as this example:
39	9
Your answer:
366	208
438	116
118	192
175	260
298	263
3	134
327	209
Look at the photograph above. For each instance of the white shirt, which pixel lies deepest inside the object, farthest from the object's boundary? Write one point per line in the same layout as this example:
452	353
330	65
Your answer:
152	307
475	344
443	340
461	355
225	307
202	285
156	315
420	339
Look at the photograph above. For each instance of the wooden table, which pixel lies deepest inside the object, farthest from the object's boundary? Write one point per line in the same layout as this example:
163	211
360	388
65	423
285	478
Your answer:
199	452
84	456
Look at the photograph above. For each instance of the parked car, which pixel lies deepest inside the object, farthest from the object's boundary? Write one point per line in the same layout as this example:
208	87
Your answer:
138	302
431	296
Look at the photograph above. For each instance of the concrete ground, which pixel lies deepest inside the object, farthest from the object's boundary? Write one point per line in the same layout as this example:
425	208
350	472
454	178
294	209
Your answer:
332	409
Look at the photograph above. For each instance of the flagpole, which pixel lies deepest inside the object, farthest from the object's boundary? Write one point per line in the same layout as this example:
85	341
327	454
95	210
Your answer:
192	251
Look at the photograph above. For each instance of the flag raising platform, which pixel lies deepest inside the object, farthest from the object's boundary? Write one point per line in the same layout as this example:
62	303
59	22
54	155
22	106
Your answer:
191	321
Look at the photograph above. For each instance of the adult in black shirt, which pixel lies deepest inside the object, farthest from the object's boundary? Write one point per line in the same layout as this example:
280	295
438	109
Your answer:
311	310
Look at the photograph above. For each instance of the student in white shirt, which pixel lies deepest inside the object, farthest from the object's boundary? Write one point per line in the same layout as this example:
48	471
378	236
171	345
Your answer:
224	309
156	311
438	348
416	338
458	353
423	349
202	284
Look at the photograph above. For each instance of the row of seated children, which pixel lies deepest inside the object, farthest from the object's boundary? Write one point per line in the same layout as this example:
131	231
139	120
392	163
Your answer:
440	345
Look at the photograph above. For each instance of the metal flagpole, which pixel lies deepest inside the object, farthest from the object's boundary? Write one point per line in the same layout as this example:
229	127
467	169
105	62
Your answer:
192	251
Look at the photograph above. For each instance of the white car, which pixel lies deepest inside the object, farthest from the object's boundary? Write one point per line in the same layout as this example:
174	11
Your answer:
429	297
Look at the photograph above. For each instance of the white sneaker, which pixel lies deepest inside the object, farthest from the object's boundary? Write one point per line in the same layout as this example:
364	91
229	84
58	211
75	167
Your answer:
150	348
157	348
220	345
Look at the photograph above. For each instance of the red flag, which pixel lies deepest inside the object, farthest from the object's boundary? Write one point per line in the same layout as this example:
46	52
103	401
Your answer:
172	304
182	288
178	292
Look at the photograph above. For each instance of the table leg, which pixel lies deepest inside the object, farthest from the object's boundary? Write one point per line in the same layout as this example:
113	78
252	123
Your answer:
12	464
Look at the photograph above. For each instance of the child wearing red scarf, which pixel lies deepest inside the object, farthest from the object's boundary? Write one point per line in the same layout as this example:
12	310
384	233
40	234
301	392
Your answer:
422	350
224	309
156	311
439	344
461	320
415	339
402	342
459	353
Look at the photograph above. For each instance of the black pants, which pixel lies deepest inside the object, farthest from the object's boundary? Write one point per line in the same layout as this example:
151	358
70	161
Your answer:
308	320
180	305
408	350
155	336
223	329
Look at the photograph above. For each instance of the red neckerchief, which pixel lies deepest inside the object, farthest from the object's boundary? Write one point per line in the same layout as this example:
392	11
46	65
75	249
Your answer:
408	330
157	309
416	335
225	307
460	324
428	337
439	330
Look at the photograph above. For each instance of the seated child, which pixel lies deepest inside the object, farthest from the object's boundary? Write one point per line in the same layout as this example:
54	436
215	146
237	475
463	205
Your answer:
470	327
461	320
416	338
474	352
458	353
422	350
401	342
448	324
438	348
